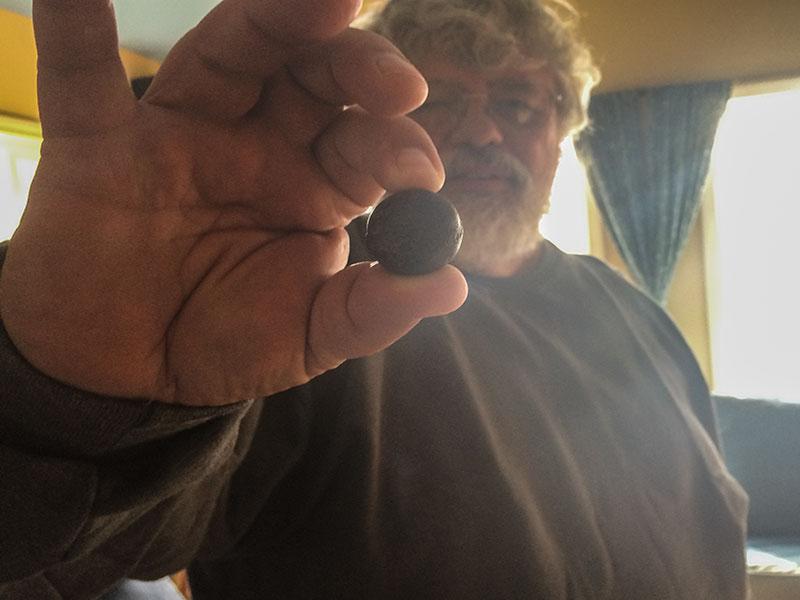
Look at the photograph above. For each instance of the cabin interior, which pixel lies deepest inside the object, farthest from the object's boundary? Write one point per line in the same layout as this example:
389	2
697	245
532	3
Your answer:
732	283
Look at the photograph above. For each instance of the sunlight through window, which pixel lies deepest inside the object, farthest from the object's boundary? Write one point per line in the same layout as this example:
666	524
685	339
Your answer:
754	275
567	223
19	155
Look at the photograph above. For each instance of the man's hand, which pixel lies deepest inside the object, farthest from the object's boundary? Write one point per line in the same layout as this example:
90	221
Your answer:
190	247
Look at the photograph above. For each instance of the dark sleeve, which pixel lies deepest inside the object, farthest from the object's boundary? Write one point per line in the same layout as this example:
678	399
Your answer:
698	394
95	488
704	408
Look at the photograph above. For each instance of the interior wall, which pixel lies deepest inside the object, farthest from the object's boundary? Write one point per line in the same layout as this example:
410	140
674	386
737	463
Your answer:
636	44
649	43
640	44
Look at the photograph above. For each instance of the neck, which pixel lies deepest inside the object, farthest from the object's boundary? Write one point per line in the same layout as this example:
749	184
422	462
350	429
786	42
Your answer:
505	266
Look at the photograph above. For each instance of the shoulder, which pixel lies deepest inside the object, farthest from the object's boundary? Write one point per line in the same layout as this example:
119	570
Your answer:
604	285
599	274
593	276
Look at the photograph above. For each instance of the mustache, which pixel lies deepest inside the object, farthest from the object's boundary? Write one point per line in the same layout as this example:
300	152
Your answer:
467	161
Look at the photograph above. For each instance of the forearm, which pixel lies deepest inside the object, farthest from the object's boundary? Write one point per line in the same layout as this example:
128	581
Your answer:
96	488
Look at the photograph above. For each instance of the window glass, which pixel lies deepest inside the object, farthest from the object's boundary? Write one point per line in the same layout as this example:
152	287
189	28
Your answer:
19	155
567	223
754	254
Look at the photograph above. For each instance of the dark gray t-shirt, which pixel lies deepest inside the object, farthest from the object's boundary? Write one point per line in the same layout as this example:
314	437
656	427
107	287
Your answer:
551	439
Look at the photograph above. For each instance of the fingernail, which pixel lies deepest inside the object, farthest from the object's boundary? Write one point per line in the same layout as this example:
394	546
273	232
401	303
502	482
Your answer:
390	64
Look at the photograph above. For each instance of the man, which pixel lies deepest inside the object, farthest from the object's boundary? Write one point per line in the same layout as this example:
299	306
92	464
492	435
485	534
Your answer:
552	438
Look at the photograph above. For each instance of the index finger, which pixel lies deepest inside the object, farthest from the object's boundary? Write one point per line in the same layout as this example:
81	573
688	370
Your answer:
219	68
82	85
364	68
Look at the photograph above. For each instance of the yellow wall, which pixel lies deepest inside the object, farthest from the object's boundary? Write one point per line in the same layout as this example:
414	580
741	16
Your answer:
642	43
637	43
18	66
646	43
687	302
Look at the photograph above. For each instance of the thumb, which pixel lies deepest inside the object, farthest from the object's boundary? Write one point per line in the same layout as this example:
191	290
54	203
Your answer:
363	309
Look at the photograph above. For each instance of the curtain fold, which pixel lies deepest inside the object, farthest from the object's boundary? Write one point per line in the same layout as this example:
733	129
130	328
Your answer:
647	154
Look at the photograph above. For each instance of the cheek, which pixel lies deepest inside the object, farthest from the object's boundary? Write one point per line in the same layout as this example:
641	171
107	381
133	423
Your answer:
540	154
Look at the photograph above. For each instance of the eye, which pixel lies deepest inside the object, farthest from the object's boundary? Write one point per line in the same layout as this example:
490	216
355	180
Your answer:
518	112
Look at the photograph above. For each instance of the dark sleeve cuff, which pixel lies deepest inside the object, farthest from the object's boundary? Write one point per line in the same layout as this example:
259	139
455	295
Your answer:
40	414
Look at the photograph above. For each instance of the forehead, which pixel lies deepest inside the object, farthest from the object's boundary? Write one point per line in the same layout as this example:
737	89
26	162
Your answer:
520	73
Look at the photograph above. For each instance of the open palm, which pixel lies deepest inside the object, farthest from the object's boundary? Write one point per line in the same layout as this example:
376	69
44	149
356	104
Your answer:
190	247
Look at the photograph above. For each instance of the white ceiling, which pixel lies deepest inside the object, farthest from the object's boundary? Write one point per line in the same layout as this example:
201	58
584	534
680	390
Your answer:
149	27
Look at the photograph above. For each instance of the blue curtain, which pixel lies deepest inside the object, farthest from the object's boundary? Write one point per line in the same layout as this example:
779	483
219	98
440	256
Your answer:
647	154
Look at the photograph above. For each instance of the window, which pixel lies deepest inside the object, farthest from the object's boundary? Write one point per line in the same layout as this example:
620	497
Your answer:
19	155
754	248
567	223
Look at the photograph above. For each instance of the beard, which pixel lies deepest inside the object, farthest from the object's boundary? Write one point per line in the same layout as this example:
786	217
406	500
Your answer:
498	228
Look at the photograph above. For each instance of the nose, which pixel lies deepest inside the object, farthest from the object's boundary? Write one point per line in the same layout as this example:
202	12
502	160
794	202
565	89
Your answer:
478	128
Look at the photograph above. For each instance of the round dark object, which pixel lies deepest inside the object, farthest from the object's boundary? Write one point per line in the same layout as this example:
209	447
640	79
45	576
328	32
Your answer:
414	232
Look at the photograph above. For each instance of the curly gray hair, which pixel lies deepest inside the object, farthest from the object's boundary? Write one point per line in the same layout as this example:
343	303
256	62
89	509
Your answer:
485	33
